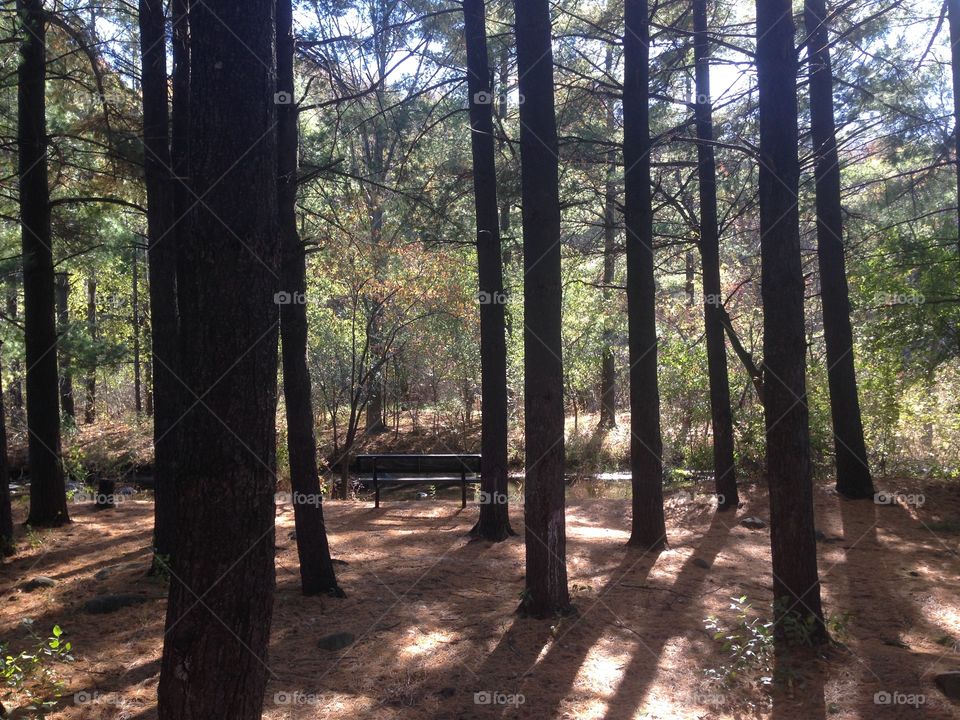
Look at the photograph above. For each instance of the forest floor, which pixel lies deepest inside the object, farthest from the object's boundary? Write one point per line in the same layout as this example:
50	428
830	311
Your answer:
434	627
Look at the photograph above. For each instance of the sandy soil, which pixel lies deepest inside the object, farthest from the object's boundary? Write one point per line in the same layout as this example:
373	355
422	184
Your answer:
434	624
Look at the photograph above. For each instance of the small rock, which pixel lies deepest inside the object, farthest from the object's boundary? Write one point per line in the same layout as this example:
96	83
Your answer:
103	573
701	563
754	523
38	582
103	604
949	683
914	573
336	641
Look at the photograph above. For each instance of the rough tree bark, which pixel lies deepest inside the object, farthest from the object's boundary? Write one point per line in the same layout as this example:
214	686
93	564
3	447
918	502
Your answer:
317	574
162	269
494	521
721	416
214	655
796	585
62	291
48	498
608	369
545	538
646	446
853	472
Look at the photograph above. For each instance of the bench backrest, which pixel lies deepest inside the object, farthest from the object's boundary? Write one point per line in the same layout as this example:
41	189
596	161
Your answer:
418	464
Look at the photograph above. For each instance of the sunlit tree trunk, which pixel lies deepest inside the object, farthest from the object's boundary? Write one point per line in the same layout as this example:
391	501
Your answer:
546	544
90	382
48	499
494	522
646	446
796	585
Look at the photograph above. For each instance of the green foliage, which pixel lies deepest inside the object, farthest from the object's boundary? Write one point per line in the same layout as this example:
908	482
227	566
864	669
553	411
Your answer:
747	646
32	674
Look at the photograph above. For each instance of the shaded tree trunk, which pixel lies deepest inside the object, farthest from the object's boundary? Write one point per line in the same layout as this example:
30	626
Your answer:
721	417
214	661
796	585
494	522
135	328
15	388
608	369
6	511
646	446
953	12
853	472
63	323
316	567
545	538
48	498
90	383
161	259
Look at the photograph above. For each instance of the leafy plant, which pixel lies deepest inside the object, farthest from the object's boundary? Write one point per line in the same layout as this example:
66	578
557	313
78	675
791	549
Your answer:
30	673
747	646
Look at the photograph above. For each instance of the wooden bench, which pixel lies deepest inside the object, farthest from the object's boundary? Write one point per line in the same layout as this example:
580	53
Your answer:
395	468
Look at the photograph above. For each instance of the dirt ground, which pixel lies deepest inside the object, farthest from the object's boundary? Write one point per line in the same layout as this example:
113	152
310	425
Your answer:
436	635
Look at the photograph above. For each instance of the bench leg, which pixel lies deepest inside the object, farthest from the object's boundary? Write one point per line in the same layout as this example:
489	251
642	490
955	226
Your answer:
376	491
463	491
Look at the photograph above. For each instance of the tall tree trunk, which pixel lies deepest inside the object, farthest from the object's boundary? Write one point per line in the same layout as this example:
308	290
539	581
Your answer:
796	586
853	472
48	498
721	417
953	12
15	388
316	568
494	522
546	542
646	446
214	655
6	512
608	369
135	328
161	259
90	383
62	291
